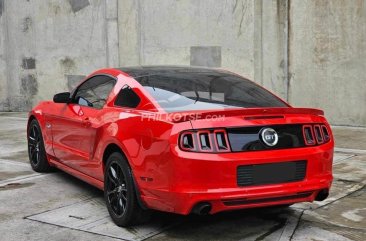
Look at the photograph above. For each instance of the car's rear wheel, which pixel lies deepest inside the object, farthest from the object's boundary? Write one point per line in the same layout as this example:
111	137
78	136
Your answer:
36	150
120	193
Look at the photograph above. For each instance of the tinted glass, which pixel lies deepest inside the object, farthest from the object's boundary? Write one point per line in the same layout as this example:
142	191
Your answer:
127	98
184	91
94	92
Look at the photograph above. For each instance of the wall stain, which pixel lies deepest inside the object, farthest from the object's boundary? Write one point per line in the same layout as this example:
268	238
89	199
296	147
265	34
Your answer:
244	8
1	7
67	63
28	63
77	5
209	56
29	85
56	9
235	5
27	24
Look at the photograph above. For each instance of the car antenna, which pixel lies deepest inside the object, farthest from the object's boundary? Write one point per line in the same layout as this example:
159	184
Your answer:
148	82
146	78
197	95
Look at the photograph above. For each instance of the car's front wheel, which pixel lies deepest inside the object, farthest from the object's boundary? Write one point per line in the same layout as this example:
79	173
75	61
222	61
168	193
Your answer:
36	150
120	194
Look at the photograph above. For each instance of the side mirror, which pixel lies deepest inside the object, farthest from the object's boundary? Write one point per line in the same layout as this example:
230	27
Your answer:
62	97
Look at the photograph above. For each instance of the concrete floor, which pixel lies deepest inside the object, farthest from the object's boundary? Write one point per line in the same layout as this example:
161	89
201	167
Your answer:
57	206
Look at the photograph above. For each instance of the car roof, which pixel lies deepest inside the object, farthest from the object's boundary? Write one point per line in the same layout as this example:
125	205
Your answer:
138	71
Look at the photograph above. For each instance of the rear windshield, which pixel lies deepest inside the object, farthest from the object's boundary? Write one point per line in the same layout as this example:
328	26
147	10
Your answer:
206	91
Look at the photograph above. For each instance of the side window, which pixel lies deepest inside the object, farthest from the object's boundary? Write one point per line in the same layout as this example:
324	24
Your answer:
127	98
94	92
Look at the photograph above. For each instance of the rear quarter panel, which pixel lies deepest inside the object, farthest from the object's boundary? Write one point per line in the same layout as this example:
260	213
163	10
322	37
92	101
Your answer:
145	139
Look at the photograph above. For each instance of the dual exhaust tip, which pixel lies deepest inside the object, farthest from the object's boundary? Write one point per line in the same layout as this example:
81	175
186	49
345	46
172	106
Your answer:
322	195
202	209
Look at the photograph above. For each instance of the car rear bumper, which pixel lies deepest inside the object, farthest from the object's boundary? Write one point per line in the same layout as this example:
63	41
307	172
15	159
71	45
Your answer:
212	178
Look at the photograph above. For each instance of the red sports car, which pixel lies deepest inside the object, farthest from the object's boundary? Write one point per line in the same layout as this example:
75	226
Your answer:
182	140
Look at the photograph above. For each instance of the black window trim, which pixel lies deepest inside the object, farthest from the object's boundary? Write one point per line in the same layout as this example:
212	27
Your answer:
73	93
126	107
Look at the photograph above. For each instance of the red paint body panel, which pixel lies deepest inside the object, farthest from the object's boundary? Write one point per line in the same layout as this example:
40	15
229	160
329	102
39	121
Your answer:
168	178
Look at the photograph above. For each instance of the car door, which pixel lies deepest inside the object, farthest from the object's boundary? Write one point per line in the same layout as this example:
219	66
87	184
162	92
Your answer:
74	128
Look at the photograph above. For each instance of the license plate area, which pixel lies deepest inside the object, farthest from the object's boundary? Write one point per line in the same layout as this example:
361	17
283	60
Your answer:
271	173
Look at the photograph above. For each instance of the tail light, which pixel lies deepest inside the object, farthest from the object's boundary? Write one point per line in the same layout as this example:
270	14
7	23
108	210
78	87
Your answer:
326	134
187	141
204	141
212	141
316	134
309	135
221	140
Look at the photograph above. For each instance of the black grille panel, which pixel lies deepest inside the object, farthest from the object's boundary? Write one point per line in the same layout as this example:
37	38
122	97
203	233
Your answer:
271	173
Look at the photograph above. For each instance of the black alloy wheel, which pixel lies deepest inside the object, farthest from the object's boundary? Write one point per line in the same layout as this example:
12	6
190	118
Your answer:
116	189
36	151
120	193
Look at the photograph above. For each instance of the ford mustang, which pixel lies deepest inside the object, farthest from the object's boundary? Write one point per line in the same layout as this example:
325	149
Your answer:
182	140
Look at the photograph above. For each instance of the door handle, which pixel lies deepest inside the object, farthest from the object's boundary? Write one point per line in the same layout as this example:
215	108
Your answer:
86	122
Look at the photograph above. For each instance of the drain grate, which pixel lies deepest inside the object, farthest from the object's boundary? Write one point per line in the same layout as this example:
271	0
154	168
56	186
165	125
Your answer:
92	216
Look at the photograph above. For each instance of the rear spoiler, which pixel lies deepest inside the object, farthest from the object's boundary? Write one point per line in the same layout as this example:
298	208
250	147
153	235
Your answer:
177	117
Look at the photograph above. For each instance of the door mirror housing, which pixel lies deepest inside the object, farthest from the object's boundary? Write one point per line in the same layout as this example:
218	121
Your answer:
63	97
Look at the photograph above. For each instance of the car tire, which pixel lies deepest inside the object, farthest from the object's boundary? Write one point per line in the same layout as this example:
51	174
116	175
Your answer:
120	194
36	150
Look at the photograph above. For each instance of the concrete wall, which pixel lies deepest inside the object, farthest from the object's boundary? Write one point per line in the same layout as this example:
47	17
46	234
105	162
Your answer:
310	52
328	58
3	78
49	45
191	32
